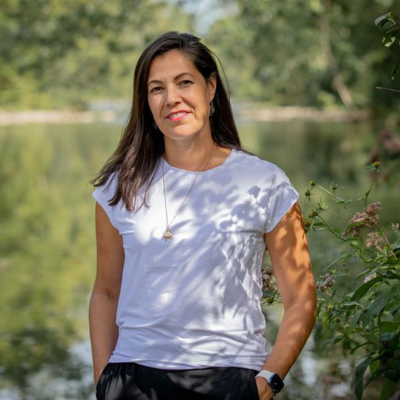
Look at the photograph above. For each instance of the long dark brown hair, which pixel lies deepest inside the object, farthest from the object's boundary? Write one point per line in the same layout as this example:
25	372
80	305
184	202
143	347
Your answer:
142	144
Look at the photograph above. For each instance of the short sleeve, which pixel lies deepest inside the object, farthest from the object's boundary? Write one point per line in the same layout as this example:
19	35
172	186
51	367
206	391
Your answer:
282	198
103	194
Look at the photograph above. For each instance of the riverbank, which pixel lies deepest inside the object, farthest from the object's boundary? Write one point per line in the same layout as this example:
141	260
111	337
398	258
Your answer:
242	111
253	112
55	117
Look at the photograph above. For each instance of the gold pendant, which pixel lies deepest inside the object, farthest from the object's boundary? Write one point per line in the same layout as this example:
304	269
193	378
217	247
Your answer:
167	234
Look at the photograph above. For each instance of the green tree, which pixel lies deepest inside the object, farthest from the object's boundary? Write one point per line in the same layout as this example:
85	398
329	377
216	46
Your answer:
311	52
58	52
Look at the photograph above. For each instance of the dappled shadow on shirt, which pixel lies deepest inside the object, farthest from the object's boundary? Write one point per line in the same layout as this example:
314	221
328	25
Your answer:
193	300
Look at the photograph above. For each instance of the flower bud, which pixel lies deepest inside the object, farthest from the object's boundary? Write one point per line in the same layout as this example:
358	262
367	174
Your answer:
312	214
269	300
333	187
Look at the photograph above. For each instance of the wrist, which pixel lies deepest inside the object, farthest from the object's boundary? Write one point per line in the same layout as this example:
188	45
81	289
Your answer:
264	389
273	380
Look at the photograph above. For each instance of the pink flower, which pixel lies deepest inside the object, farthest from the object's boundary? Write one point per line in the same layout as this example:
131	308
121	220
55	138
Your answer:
394	226
268	283
326	283
361	220
370	277
373	240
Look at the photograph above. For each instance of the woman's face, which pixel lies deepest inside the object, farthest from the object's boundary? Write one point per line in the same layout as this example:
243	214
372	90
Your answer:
179	97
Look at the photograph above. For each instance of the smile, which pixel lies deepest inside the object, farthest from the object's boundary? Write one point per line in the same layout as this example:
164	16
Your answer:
177	116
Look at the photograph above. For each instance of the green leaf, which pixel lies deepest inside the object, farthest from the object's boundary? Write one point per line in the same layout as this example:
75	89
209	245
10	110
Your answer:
378	373
389	38
373	367
382	20
386	327
378	305
341	258
359	377
319	308
364	288
394	308
355	348
395	68
387	389
267	293
354	321
319	224
332	341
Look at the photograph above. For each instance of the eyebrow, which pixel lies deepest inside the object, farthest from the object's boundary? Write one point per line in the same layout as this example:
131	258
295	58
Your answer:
155	81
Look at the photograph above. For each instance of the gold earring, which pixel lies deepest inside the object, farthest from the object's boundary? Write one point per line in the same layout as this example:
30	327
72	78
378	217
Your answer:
212	108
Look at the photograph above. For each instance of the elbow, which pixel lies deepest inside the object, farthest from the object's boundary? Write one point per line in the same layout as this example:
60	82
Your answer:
105	293
311	304
305	305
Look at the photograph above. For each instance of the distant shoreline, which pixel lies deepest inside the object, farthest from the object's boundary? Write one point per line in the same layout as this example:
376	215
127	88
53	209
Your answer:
55	117
242	111
263	114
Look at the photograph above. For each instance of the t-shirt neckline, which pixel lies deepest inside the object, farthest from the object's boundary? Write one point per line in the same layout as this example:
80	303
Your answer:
231	156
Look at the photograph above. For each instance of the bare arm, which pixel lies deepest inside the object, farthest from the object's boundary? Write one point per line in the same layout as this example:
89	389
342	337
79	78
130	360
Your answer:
288	249
106	289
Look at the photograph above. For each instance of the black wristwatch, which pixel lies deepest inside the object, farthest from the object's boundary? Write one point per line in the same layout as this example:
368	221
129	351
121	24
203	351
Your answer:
274	380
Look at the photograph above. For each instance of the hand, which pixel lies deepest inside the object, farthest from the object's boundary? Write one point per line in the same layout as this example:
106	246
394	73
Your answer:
96	378
97	375
264	390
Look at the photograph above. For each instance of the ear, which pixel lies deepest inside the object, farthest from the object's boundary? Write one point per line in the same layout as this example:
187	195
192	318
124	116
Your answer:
212	86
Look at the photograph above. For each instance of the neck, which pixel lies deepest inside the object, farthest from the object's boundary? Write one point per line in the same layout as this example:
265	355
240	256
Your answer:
189	156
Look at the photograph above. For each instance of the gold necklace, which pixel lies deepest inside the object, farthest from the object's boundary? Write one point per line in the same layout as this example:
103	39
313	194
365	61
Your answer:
168	233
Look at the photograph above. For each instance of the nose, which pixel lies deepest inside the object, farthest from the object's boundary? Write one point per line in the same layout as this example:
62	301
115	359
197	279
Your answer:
172	95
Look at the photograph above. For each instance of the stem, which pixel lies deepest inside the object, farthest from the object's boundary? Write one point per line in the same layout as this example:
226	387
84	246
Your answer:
338	236
389	89
385	238
329	229
327	191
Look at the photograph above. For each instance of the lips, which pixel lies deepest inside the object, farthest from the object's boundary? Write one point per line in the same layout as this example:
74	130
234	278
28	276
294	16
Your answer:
177	115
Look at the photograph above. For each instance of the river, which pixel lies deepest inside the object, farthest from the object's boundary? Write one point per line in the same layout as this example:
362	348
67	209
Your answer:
47	248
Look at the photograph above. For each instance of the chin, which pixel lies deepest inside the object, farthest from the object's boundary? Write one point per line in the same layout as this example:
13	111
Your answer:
181	134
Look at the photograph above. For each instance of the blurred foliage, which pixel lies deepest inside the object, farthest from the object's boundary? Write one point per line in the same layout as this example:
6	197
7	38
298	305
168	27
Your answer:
387	152
391	28
365	320
311	52
59	53
321	53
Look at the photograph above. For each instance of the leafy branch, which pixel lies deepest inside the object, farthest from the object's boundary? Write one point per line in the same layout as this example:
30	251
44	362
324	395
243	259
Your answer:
366	319
391	27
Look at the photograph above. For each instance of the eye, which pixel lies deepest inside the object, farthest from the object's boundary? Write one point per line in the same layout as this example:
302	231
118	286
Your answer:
156	89
185	83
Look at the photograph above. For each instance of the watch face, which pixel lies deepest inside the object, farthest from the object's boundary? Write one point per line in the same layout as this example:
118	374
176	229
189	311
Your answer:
276	383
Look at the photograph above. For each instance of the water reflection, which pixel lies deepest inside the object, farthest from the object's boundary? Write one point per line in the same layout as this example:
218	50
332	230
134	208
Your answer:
47	251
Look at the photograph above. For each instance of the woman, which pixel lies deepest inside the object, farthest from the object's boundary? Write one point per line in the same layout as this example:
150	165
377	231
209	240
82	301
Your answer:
183	219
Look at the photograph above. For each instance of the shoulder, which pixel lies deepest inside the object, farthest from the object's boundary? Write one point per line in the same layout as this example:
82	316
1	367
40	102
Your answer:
110	184
251	164
106	190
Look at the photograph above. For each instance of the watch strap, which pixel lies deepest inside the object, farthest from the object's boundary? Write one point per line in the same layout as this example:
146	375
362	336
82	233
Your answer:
265	374
274	380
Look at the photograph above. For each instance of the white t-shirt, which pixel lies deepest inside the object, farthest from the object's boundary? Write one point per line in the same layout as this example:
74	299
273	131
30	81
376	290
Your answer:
194	301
